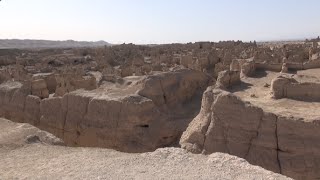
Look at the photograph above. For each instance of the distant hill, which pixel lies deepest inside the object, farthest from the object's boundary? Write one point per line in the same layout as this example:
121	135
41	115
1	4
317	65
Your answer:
31	44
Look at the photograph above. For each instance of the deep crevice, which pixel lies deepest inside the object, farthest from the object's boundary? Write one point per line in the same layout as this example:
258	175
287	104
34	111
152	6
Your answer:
278	149
163	93
144	126
206	131
115	144
254	137
65	114
167	137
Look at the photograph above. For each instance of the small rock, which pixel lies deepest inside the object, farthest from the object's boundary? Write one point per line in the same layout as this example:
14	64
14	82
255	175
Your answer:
33	139
253	96
266	85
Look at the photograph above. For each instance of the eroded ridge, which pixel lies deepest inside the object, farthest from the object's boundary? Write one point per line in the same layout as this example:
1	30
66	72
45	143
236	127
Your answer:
236	118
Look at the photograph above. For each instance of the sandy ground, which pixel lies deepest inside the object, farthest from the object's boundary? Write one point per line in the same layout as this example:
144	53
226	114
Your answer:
286	107
22	156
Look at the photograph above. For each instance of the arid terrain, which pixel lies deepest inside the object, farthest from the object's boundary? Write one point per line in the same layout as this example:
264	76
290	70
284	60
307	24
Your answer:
177	111
29	153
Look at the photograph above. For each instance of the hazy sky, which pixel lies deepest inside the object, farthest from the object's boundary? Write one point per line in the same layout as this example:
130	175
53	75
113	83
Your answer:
159	21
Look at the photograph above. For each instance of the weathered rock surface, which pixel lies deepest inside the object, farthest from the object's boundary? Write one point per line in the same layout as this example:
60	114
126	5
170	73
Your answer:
135	117
68	82
282	144
39	88
227	79
24	147
248	67
284	68
16	135
235	65
174	88
285	86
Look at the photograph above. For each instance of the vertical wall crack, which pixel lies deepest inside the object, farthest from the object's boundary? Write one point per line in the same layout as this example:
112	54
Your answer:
254	137
117	124
64	115
206	131
277	142
163	92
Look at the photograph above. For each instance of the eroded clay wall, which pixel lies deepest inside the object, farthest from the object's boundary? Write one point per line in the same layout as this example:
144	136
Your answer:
285	87
128	122
227	124
292	66
269	67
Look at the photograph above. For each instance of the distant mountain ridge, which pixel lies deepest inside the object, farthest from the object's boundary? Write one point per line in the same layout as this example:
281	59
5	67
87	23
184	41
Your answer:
30	44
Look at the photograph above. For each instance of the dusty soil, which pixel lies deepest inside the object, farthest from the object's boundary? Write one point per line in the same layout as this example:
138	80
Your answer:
253	90
25	157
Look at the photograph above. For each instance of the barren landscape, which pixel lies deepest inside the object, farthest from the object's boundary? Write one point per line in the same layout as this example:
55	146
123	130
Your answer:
204	110
29	153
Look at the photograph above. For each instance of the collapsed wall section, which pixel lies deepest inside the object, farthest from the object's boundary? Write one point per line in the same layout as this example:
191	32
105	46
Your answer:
288	87
127	122
311	64
285	145
174	88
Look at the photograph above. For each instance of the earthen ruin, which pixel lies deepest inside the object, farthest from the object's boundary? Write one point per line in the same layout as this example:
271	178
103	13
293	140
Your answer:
255	101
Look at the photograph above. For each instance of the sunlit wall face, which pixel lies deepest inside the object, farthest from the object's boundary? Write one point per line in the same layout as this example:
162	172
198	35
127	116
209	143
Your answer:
159	21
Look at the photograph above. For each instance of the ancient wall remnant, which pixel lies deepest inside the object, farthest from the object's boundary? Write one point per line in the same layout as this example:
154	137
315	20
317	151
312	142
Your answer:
228	124
288	87
174	87
39	88
248	67
68	82
142	119
227	79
